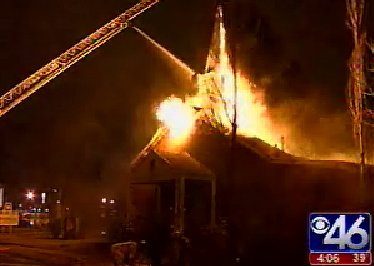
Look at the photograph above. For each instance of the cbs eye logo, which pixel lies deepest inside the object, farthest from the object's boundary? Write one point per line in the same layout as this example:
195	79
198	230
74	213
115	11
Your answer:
320	225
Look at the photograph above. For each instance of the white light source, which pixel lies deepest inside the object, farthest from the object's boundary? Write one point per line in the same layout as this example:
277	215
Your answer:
43	198
103	200
112	201
30	195
1	197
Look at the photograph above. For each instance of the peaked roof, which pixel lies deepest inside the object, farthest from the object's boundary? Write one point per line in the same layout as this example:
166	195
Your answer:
185	161
207	149
265	150
182	161
256	145
151	146
161	166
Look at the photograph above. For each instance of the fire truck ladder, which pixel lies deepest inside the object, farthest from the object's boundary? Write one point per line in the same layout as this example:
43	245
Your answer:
58	65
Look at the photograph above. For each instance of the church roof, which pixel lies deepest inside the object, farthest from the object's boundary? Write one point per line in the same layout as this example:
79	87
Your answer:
265	150
183	162
209	139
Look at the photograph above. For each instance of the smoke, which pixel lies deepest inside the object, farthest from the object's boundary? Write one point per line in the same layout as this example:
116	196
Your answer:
301	72
312	130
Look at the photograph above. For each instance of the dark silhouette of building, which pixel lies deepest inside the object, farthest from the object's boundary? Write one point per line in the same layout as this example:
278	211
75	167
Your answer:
268	194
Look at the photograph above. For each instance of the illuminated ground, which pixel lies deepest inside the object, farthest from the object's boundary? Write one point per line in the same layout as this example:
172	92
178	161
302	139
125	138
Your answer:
34	248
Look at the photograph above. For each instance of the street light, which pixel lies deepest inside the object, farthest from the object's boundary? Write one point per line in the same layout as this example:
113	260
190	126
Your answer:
30	195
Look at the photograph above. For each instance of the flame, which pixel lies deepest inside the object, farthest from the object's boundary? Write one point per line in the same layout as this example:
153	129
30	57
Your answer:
216	98
178	117
252	116
216	91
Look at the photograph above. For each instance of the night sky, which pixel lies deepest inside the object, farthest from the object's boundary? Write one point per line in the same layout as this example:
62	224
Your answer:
88	123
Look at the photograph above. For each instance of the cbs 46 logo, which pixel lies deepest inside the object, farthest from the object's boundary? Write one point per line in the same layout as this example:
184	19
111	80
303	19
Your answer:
321	225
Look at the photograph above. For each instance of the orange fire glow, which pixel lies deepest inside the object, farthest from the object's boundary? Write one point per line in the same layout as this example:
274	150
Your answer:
178	117
252	117
215	98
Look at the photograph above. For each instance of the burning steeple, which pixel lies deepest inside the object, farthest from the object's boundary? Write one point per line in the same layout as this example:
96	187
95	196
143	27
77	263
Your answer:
215	52
215	97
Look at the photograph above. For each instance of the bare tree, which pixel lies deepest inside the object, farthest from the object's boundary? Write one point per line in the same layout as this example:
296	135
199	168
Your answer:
358	89
357	83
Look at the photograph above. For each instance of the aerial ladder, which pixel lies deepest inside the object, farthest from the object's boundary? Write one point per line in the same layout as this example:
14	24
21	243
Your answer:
58	65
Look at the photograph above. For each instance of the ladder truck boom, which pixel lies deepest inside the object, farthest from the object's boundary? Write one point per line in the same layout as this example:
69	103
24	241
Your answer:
58	65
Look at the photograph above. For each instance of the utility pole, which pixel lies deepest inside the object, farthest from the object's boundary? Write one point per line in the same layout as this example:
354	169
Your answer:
234	124
234	69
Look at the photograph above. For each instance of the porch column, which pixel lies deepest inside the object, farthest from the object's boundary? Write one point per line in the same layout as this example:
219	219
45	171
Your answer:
158	201
182	193
213	203
128	201
179	204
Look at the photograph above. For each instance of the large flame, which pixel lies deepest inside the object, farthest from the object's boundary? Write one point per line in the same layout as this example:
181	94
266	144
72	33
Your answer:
216	91
216	100
178	117
252	116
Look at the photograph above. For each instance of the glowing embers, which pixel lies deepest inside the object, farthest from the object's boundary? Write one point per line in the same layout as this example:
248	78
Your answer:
178	117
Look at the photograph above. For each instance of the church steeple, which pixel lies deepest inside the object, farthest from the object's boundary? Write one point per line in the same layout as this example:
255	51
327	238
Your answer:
216	46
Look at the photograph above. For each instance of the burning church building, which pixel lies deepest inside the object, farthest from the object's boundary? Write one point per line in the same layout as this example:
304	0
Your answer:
195	173
264	194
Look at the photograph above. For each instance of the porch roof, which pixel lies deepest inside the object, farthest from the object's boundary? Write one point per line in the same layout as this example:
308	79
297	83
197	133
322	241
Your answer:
161	166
